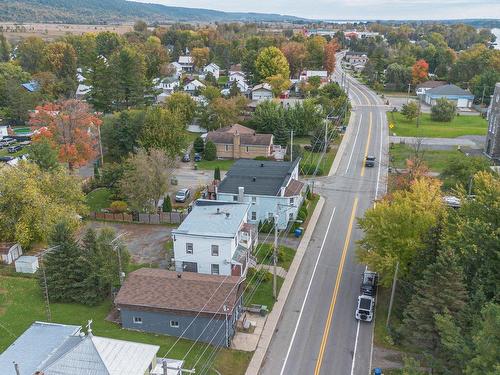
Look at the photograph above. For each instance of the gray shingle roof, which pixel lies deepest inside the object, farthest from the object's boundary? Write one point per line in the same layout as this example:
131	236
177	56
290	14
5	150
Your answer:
451	90
257	177
214	218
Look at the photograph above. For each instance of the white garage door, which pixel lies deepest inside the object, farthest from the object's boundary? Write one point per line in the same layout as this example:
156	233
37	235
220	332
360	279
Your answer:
462	103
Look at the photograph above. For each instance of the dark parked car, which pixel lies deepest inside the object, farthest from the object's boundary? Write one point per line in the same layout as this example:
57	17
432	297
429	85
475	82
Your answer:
369	283
14	149
370	161
197	157
186	158
182	195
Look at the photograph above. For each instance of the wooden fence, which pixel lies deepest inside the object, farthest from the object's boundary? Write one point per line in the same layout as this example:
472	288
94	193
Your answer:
161	218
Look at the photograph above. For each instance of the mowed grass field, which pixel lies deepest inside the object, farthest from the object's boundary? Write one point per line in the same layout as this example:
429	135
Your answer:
436	160
459	126
22	303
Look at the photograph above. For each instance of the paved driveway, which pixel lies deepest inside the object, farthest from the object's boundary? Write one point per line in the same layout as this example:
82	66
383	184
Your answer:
146	243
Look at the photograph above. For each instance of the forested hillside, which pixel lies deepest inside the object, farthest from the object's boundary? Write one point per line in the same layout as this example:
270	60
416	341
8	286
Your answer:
110	11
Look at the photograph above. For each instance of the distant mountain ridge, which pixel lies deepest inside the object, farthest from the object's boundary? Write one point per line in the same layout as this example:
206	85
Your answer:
112	11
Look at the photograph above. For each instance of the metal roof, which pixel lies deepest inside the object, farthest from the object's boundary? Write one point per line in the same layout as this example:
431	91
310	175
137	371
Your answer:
35	346
449	90
214	219
257	177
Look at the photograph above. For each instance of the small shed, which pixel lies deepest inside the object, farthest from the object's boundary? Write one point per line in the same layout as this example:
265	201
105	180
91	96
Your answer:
27	264
9	252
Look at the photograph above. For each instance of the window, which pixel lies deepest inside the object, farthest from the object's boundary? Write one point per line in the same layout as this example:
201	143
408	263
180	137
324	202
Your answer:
254	199
137	320
247	149
189	248
174	324
215	250
270	215
226	147
254	215
235	198
291	200
215	269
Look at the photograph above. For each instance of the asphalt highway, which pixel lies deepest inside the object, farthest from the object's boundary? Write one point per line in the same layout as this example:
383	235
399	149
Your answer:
317	332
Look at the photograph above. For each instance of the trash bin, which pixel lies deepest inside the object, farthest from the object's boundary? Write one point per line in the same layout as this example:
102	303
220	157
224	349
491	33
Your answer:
377	371
298	232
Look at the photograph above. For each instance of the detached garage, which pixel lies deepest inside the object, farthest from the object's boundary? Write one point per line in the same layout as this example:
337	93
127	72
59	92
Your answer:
453	93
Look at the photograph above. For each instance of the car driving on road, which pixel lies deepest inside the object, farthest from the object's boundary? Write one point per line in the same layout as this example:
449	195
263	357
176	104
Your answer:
370	161
182	195
364	311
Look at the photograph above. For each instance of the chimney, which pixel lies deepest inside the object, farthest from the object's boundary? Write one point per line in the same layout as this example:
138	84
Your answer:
241	194
236	145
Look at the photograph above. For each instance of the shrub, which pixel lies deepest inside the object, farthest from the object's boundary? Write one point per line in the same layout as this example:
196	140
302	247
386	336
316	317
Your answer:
118	207
199	145
410	110
217	174
167	204
262	158
443	110
210	151
266	226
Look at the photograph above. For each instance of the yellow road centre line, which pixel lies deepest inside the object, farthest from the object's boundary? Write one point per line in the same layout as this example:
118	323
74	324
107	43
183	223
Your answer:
326	331
367	145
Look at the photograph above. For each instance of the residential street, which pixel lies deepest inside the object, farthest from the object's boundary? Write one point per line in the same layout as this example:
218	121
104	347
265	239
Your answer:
318	333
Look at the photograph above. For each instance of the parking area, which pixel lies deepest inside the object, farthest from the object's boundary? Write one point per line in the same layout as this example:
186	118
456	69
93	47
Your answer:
146	243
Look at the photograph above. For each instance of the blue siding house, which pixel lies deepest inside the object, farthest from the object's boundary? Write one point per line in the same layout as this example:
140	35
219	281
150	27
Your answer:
462	98
271	187
190	305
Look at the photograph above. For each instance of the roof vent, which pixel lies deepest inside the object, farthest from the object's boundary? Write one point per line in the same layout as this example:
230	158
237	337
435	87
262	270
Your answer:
254	179
218	210
227	215
262	165
179	275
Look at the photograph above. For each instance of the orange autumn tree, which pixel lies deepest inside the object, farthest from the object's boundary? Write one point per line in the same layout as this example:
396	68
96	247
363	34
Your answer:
70	126
329	59
419	71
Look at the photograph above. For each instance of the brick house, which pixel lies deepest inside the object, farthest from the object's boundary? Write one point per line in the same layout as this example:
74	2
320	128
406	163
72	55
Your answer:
239	142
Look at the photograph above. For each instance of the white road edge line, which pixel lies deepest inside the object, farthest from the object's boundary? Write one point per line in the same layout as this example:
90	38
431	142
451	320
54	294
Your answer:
354	144
380	154
307	293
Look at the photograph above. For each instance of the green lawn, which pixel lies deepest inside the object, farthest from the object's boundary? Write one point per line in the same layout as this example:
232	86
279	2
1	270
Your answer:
223	80
224	165
310	159
436	160
265	255
263	293
381	334
98	199
21	303
460	125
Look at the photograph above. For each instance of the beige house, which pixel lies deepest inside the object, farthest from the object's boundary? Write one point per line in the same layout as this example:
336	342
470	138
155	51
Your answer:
239	142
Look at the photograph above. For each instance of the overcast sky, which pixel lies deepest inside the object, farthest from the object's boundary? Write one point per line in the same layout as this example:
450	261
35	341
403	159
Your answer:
353	9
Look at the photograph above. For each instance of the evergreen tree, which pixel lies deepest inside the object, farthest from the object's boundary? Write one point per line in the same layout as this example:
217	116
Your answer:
441	291
198	145
62	266
102	93
233	89
210	151
4	48
280	134
167	204
217	174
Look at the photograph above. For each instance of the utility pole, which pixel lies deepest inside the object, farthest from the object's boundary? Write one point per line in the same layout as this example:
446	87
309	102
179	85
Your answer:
482	97
291	145
100	145
326	136
16	368
275	256
117	248
46	293
392	293
418	114
408	96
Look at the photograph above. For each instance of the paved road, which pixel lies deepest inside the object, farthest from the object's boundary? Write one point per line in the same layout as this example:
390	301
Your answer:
318	333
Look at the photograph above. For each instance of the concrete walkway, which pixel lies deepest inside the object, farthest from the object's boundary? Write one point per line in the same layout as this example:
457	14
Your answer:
247	342
281	272
437	143
274	315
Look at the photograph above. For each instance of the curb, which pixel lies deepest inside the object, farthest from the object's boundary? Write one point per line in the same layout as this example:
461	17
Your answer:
275	314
